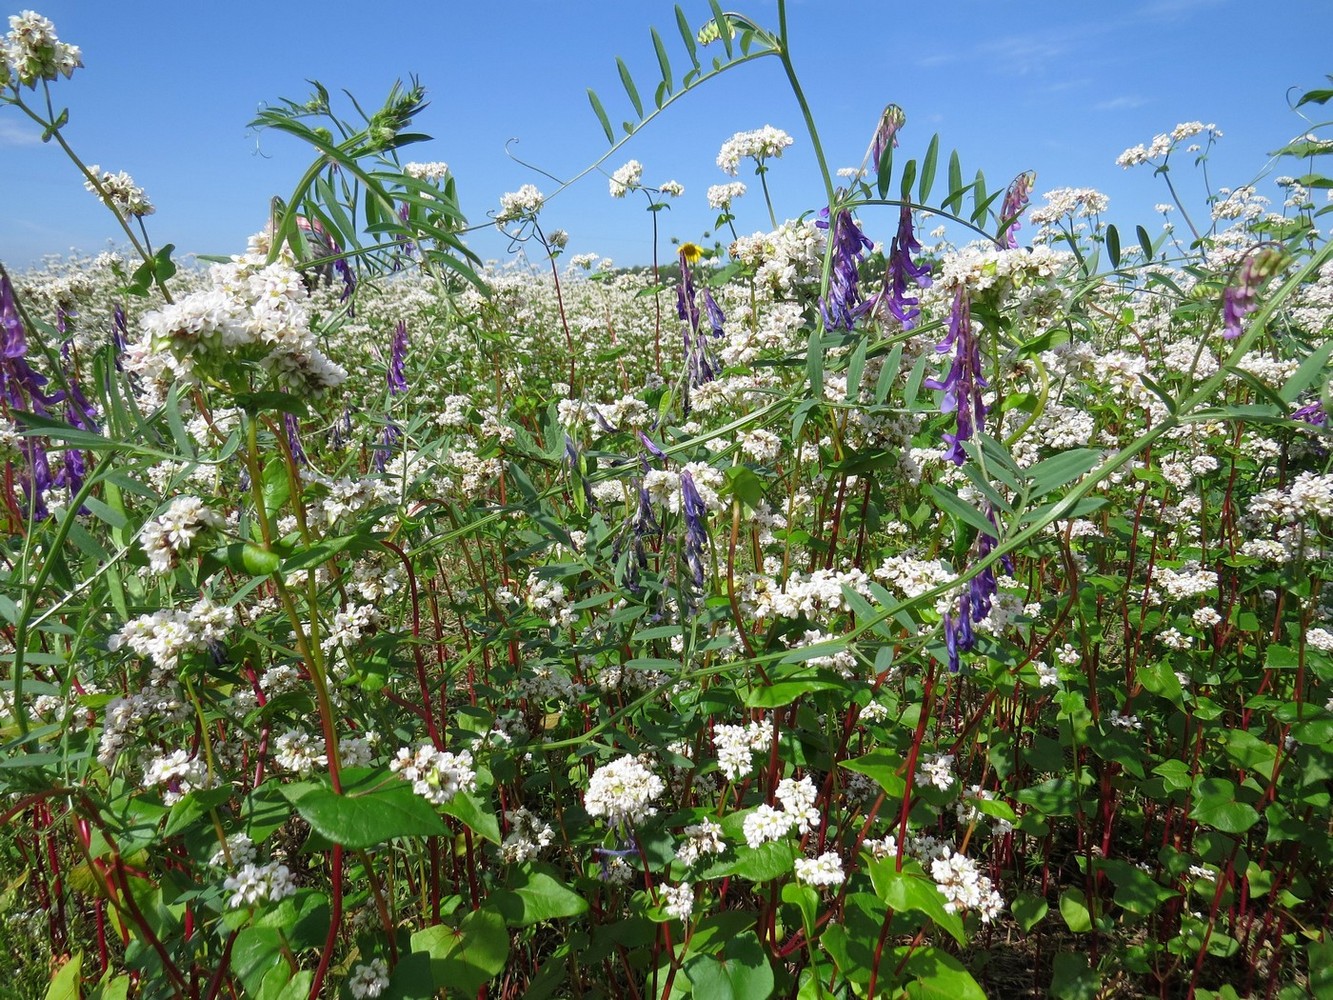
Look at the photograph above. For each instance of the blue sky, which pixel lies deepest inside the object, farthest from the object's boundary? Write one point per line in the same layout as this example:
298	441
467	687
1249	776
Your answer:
1058	87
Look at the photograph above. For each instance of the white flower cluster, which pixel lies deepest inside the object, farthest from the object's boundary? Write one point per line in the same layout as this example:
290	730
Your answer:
796	800
757	145
259	884
1179	585
251	309
964	887
435	775
164	635
120	193
672	189
299	753
626	178
1018	273
436	172
720	196
913	577
1163	143
788	258
528	835
937	768
240	851
524	203
623	791
178	772
548	599
1071	202
701	838
736	744
678	900
31	51
173	533
369	980
823	870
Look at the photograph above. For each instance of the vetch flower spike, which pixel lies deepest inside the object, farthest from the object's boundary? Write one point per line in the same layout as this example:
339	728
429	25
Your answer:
1015	204
963	384
844	304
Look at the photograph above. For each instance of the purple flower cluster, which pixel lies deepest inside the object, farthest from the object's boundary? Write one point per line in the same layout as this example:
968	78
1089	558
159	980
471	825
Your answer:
696	535
886	134
1015	204
1241	296
963	384
976	600
700	363
843	304
397	358
902	269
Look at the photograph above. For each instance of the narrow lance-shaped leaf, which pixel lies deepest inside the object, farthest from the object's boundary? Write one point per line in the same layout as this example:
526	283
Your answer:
954	201
928	169
885	174
601	115
909	176
662	61
979	202
1113	245
683	24
1145	242
630	89
723	26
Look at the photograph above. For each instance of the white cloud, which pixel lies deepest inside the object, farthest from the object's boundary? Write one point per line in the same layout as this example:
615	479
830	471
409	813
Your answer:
1125	103
18	134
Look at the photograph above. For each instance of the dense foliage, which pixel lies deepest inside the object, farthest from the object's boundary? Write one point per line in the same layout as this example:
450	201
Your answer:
846	612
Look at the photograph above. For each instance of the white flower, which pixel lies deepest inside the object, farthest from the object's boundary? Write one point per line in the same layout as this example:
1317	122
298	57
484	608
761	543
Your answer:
239	847
623	791
436	172
765	824
258	884
120	192
678	900
720	196
823	870
757	145
798	801
937	769
369	980
625	178
964	887
700	839
524	203
435	775
672	189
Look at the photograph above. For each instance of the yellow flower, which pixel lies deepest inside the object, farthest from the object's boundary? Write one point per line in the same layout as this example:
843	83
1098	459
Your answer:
691	252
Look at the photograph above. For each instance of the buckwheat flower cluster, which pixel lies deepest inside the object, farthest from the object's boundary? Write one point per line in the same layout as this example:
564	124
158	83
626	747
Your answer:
1083	203
177	774
623	791
678	900
784	260
436	776
240	851
528	836
821	871
626	178
720	196
299	753
32	51
164	635
735	746
174	532
703	838
524	203
436	172
120	193
672	189
369	980
757	145
1180	585
965	888
937	768
254	884
796	801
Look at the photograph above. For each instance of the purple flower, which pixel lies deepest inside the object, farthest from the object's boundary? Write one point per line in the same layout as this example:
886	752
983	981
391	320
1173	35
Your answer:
397	355
686	308
963	384
886	134
696	535
975	602
388	443
903	269
1015	204
844	304
1311	413
653	450
716	317
700	364
120	333
1241	296
293	428
19	384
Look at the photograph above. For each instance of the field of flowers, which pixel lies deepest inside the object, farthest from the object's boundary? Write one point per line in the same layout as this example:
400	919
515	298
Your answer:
923	598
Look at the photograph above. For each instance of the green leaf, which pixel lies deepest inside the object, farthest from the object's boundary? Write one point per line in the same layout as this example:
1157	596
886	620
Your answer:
1052	473
468	809
939	975
741	972
687	35
908	178
1215	805
953	201
916	893
1113	245
884	172
360	821
928	164
630	89
1028	910
663	62
601	116
1072	979
467	957
1311	368
1145	242
723	26
885	767
951	503
1074	909
65	983
534	894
